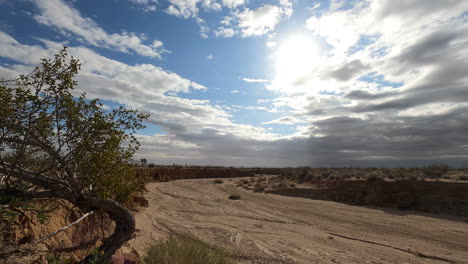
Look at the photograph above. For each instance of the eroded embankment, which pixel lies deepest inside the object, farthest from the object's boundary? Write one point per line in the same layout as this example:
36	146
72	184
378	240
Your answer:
425	196
22	225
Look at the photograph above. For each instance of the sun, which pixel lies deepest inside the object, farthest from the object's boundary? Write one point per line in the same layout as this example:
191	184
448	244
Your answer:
296	57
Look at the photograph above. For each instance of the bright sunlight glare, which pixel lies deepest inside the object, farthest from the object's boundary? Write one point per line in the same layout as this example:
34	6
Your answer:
295	57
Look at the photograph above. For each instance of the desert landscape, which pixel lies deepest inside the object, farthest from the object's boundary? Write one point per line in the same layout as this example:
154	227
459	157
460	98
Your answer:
276	218
233	131
268	228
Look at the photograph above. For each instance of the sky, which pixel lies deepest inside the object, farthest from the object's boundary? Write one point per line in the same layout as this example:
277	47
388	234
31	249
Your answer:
265	83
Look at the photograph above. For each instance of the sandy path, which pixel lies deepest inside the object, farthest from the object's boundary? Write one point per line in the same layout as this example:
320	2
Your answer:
267	228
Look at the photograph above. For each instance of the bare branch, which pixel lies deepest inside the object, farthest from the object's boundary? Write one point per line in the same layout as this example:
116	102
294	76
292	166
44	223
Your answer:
62	229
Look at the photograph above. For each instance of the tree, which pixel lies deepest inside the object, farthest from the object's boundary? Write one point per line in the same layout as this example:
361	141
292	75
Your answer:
69	145
143	162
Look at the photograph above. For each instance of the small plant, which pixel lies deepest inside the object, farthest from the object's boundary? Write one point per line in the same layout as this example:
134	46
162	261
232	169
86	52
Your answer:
57	259
96	257
234	197
185	250
218	181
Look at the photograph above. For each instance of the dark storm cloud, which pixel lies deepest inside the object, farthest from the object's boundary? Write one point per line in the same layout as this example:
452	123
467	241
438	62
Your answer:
430	49
424	138
414	8
416	97
372	141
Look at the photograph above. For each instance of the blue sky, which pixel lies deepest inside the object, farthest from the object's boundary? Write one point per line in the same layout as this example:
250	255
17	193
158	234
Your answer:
265	83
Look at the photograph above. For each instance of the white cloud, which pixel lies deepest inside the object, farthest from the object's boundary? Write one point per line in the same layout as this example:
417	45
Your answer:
67	19
259	21
192	125
234	91
346	118
263	19
226	20
190	8
286	120
233	3
204	29
183	8
254	80
225	32
148	5
209	57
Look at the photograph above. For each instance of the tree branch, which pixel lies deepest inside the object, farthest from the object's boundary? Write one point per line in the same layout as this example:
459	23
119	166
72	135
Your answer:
62	229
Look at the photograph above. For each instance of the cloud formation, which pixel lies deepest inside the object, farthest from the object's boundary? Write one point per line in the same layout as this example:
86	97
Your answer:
66	19
384	85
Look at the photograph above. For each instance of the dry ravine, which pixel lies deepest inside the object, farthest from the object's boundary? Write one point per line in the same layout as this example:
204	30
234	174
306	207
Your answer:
269	228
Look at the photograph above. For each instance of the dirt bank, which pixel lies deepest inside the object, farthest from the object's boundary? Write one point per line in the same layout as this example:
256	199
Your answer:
268	228
20	227
425	196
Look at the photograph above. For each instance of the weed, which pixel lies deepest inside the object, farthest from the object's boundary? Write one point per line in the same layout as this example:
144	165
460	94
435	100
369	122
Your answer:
185	250
57	259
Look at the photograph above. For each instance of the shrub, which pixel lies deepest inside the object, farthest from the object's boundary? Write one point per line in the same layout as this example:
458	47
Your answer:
375	177
463	178
435	171
234	197
218	181
185	250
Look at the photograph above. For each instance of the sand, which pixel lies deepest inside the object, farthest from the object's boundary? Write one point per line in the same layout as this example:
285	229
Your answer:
268	228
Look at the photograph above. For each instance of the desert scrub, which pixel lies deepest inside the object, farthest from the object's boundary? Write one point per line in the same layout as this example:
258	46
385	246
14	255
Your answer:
435	171
463	178
375	176
185	250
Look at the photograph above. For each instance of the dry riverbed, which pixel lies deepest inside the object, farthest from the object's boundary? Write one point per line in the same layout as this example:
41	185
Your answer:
268	228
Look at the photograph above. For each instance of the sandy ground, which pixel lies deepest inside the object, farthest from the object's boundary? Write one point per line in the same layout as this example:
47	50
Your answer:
267	228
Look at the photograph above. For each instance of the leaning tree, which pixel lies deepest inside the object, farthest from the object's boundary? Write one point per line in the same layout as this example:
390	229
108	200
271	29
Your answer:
69	146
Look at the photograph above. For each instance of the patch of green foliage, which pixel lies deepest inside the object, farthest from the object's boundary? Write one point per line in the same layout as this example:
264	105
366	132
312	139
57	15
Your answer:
67	140
185	250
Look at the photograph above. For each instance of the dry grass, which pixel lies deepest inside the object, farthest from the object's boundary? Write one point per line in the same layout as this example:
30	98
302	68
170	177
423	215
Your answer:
185	250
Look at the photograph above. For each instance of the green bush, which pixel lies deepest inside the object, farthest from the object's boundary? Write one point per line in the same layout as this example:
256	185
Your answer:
185	250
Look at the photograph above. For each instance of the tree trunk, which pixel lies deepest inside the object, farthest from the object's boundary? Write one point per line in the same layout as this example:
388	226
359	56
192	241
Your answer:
124	223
